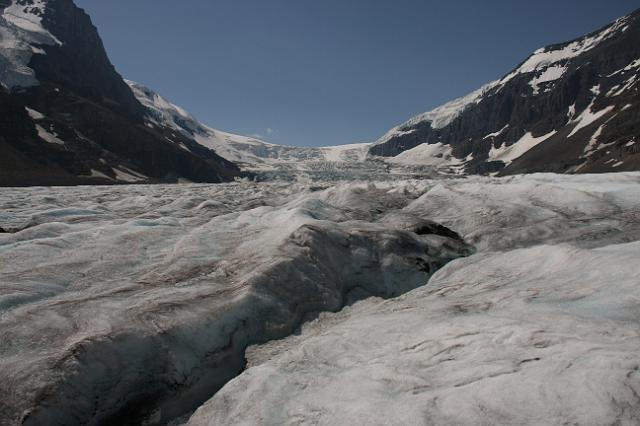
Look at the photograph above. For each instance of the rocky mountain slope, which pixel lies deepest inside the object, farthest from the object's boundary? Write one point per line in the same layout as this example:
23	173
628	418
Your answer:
68	117
570	107
249	152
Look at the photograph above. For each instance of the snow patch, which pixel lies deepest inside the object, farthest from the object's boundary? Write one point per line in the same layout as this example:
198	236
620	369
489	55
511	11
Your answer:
498	133
98	174
593	142
437	155
35	114
552	73
507	154
48	136
125	174
633	65
588	117
628	84
548	57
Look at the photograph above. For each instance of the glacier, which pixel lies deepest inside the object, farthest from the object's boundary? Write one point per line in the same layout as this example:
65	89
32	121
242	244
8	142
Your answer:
138	302
540	326
451	299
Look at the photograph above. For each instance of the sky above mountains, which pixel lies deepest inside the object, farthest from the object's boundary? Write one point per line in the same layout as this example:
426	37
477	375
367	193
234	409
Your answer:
315	73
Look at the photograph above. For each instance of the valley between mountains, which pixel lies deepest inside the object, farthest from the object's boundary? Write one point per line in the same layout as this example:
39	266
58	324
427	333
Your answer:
476	265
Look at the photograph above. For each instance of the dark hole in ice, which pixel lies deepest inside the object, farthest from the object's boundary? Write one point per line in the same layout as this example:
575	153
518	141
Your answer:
317	188
437	229
423	265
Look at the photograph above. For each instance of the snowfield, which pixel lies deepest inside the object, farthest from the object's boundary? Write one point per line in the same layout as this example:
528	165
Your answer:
135	304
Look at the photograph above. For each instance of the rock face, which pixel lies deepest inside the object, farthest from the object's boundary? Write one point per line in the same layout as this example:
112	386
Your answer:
136	310
67	115
570	107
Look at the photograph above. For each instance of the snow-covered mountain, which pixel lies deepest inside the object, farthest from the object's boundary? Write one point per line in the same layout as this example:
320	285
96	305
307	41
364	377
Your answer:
67	115
70	118
570	107
246	151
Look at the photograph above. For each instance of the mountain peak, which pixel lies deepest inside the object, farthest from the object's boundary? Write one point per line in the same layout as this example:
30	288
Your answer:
69	116
555	112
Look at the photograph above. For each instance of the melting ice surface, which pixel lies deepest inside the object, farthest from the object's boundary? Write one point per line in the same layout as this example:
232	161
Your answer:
138	302
131	303
540	326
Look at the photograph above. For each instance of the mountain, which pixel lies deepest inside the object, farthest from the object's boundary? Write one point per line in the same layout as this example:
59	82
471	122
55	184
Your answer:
251	153
68	117
570	107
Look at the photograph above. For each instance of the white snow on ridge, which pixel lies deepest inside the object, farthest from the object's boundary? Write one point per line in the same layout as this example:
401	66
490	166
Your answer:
548	64
445	114
164	112
246	151
441	116
543	57
28	17
551	73
21	35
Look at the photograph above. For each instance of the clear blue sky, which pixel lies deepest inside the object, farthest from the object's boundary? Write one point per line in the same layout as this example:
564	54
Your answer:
325	72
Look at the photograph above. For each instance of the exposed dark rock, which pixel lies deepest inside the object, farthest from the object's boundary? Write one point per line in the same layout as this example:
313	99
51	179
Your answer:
87	105
594	79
